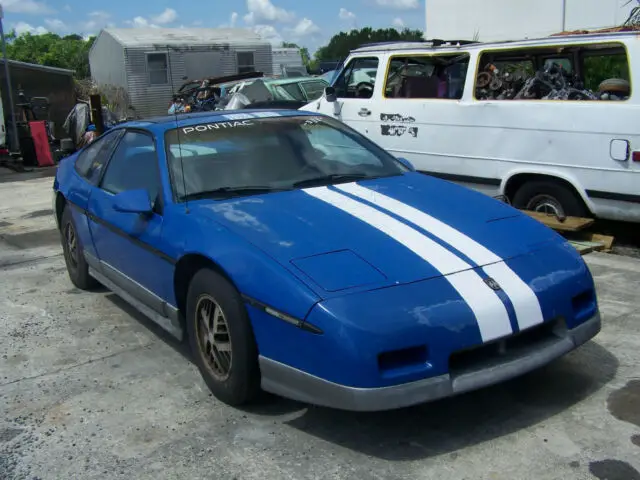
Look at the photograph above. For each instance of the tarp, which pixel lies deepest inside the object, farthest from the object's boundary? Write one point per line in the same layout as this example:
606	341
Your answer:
41	143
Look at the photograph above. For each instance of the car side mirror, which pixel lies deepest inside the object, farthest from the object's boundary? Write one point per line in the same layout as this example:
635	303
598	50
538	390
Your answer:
407	164
133	201
330	94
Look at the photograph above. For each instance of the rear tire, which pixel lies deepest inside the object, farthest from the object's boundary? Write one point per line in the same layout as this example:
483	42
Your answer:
547	196
221	339
72	249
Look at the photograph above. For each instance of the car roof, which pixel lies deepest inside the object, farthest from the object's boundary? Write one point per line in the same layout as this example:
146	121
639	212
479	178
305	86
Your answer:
286	81
168	122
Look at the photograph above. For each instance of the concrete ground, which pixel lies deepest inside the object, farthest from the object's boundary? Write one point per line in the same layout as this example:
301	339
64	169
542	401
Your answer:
90	389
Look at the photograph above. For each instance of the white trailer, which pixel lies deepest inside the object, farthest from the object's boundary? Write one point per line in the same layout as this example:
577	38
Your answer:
287	62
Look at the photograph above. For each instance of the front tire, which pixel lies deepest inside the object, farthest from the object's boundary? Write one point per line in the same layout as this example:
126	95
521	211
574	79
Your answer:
77	266
547	196
221	339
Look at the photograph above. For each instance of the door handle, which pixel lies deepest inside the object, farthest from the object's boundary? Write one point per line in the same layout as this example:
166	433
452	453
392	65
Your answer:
364	112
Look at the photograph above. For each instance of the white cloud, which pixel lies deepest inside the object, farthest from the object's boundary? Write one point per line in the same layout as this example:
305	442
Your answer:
197	22
100	15
56	25
233	21
305	28
141	22
26	6
268	33
22	27
345	14
399	4
266	12
97	20
169	15
398	23
67	8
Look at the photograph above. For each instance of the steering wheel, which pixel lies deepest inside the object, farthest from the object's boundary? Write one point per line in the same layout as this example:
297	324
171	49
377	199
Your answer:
362	87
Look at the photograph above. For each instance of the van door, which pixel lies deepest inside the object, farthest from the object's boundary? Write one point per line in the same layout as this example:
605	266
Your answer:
420	115
356	88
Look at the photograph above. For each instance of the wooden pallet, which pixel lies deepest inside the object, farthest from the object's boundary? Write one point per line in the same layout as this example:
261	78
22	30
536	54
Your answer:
570	224
572	228
593	242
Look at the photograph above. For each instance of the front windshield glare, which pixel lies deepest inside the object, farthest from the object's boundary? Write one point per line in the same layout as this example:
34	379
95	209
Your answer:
245	155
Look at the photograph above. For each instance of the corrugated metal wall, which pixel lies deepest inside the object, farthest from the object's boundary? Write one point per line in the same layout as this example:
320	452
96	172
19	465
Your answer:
106	60
154	100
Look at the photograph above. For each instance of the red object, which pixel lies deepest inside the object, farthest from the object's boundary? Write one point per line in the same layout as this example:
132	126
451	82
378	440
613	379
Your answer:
635	156
41	143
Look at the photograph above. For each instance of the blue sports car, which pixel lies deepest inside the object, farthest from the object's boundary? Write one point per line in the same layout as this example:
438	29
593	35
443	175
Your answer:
300	258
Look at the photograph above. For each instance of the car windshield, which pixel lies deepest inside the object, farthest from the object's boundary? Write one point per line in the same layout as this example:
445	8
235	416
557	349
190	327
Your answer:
256	153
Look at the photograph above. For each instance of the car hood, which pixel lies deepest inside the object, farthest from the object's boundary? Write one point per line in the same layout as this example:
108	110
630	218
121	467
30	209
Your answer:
367	234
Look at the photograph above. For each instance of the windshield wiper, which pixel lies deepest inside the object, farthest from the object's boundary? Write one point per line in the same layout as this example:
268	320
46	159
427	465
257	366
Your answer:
231	192
328	179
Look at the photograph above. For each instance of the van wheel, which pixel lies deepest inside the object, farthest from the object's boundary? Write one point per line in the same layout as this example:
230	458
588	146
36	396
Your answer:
547	196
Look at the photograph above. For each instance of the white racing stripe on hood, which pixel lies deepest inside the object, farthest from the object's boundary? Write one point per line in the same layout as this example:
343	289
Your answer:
490	312
524	300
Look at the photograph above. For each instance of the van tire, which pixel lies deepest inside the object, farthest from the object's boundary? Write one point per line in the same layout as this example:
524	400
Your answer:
548	196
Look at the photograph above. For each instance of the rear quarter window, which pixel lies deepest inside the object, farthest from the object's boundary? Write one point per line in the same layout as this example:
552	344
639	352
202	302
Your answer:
570	72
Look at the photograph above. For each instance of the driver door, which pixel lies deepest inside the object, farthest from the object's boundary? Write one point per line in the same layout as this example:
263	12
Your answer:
130	246
357	91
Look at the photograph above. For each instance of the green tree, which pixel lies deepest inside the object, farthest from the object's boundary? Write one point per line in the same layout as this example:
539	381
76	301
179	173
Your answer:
342	43
71	51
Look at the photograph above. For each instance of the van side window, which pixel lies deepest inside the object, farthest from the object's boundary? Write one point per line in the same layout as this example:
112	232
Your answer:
357	79
569	72
427	76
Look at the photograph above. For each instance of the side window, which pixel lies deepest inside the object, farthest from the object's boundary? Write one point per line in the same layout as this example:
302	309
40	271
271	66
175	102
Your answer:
338	147
133	166
158	68
92	159
246	62
293	89
427	76
313	90
357	79
569	72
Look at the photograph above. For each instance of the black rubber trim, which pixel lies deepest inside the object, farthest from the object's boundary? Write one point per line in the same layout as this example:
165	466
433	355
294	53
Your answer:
288	318
622	197
464	178
122	233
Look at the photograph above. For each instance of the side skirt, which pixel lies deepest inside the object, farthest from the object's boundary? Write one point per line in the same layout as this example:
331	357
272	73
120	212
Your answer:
171	325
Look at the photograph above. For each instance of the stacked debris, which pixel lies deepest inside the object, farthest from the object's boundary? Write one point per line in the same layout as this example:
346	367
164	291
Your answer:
206	94
551	82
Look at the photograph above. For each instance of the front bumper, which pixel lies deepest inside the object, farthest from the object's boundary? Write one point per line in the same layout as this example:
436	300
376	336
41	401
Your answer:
292	383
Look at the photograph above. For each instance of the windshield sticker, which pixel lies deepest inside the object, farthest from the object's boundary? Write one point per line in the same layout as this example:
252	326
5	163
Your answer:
217	126
313	121
238	116
265	114
396	117
398	130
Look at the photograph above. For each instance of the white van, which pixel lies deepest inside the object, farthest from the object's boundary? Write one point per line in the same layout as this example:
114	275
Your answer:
553	123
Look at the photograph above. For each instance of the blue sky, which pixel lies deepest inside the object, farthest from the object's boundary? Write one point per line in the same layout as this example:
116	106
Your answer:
307	22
